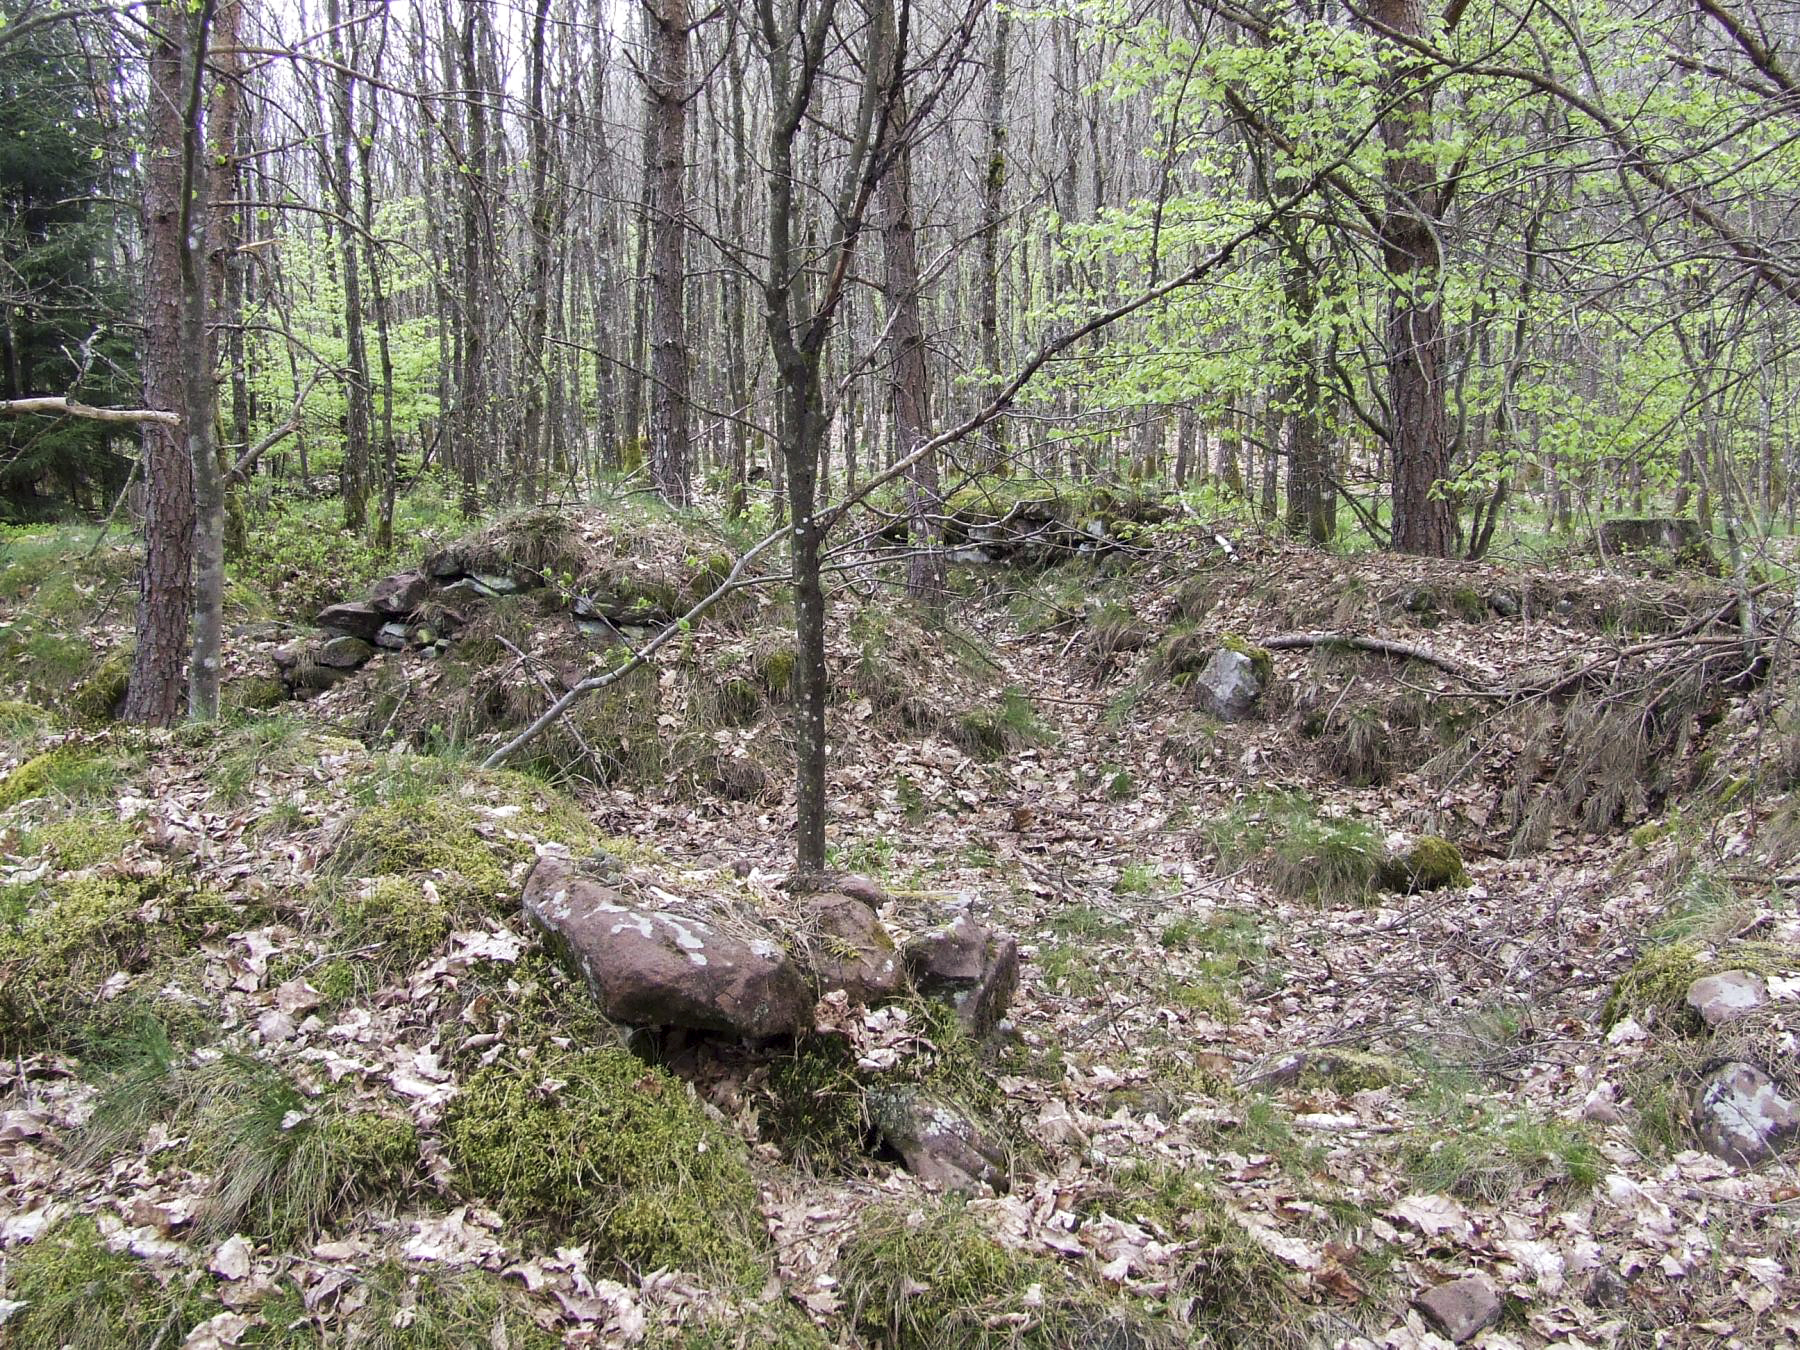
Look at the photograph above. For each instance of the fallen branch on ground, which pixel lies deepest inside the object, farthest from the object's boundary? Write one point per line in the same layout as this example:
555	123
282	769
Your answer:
1479	676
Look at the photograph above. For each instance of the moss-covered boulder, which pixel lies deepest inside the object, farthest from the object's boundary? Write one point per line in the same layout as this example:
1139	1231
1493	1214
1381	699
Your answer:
1429	863
63	770
99	697
598	1147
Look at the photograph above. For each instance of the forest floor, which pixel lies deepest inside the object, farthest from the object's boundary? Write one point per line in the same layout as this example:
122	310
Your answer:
260	976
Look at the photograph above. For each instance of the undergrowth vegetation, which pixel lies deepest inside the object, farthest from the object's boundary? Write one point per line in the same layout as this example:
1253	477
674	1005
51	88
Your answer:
598	1147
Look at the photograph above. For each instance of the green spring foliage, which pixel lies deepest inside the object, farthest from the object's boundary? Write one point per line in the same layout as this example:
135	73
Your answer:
599	1147
78	1294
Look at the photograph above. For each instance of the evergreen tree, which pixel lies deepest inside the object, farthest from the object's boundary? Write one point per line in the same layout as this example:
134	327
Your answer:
62	308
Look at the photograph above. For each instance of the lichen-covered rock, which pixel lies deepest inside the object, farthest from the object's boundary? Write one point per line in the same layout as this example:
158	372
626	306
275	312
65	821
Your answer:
1227	685
401	593
700	965
356	618
851	950
1742	1117
939	1143
968	966
1726	996
1461	1308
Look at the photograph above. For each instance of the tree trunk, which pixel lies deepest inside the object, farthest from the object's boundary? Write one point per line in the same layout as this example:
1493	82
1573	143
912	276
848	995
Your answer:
993	191
165	585
1419	424
908	375
353	478
534	449
665	109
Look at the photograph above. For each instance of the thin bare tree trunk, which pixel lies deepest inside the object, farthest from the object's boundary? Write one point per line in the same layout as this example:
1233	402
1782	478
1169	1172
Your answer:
993	192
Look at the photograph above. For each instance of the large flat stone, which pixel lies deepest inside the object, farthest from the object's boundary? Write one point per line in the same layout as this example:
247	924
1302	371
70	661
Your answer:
353	617
698	964
401	593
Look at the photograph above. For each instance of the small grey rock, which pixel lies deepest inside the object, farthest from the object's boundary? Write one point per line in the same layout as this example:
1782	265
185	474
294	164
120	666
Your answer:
499	583
851	950
470	586
1505	604
1227	686
1741	1116
1726	996
401	593
392	636
1462	1308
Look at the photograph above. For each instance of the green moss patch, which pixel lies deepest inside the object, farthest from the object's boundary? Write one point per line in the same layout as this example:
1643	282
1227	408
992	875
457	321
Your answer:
1431	864
930	1277
73	935
72	770
1261	662
80	841
281	1163
601	1148
416	1307
998	727
23	721
468	846
395	915
1656	983
98	697
815	1104
77	1293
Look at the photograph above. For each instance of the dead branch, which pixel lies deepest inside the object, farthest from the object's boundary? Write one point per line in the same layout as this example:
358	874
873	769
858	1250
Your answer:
1481	677
67	407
